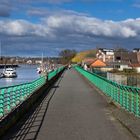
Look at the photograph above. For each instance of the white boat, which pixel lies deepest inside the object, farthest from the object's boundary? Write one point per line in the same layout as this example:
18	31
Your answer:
9	73
41	69
38	70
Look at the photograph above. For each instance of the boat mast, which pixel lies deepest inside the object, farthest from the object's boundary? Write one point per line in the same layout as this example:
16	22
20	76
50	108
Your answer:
0	48
42	58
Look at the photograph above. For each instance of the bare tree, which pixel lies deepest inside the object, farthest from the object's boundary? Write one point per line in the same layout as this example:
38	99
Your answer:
66	55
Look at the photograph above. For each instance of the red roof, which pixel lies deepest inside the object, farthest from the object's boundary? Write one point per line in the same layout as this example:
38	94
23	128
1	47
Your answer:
98	63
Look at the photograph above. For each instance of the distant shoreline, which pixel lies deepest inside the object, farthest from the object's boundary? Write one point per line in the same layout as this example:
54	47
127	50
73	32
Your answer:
8	65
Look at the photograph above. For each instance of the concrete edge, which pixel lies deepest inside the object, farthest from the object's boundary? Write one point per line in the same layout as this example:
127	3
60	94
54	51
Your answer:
16	114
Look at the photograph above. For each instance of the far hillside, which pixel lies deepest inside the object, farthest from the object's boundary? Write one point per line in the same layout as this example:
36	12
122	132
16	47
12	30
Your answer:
84	54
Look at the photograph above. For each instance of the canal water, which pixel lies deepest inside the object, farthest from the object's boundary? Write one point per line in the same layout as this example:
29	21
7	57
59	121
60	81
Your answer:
26	73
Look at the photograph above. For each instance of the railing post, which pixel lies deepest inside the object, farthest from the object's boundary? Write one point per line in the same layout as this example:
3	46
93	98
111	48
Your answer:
117	93
8	103
2	91
124	98
127	99
25	91
28	90
13	100
137	104
132	102
112	92
22	92
121	100
18	95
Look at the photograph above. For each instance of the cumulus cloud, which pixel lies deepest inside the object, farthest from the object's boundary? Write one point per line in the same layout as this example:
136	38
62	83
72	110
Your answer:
57	28
92	26
16	27
57	25
58	31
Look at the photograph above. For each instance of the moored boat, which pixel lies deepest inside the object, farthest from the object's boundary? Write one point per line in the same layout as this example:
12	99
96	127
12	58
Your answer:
9	73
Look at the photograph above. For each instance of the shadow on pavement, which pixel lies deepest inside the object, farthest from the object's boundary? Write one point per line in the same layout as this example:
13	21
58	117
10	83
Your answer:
28	127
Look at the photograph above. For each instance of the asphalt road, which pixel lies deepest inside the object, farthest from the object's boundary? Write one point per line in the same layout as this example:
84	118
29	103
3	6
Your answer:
73	110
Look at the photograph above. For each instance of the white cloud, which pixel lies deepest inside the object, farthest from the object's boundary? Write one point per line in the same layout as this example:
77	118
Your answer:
57	25
73	24
16	27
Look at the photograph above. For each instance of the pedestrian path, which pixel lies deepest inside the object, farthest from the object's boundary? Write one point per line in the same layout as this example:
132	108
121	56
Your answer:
73	110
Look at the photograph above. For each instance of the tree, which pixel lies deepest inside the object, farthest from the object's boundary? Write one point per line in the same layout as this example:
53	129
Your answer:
66	55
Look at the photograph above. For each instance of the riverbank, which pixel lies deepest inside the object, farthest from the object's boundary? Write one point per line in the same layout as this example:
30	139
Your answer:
8	65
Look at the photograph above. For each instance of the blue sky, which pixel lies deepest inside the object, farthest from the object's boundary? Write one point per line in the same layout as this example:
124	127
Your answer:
103	9
31	27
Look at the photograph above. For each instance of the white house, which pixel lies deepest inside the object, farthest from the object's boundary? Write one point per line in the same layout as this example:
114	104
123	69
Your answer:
106	55
124	66
38	61
136	50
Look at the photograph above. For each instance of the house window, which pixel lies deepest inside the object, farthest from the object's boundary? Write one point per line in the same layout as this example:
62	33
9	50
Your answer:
117	66
118	58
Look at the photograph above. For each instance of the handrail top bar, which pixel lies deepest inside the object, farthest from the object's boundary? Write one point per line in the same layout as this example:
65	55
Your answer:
20	84
125	86
26	83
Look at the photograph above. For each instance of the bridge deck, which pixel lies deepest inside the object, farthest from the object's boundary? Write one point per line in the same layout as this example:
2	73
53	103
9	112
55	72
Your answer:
72	110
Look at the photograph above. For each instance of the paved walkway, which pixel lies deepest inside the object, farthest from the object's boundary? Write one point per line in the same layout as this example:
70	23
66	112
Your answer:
72	110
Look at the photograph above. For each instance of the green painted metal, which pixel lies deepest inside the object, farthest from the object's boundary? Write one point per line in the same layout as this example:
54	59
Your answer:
126	96
53	73
12	96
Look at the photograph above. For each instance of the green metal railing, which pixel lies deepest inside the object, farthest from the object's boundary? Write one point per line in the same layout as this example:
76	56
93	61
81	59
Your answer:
13	96
53	73
126	96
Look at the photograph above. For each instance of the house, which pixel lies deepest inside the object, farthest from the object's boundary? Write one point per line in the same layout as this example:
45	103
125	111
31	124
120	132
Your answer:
99	67
138	57
119	65
106	55
136	50
126	57
38	62
98	64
